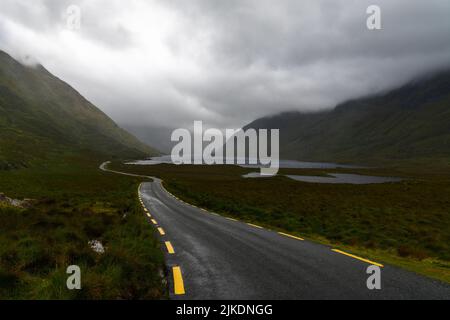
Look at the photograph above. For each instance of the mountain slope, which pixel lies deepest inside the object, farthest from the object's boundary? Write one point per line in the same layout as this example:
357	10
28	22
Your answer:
41	115
156	136
411	122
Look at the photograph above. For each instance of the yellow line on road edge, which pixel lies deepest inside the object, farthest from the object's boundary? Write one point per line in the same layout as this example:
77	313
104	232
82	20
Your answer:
154	221
178	281
232	219
291	236
358	258
254	225
169	247
149	215
161	231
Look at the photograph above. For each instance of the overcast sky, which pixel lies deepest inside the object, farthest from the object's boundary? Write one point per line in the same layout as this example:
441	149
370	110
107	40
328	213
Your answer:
169	62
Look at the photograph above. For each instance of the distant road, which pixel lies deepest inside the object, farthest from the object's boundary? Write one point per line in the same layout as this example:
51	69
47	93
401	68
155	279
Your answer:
214	257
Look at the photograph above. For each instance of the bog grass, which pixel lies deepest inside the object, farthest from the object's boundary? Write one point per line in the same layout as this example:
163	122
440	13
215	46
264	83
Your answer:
76	203
405	223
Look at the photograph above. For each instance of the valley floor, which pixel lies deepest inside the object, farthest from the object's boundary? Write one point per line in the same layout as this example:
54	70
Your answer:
405	223
75	203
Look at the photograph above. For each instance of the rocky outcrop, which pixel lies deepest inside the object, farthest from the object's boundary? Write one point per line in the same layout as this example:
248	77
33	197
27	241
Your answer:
25	203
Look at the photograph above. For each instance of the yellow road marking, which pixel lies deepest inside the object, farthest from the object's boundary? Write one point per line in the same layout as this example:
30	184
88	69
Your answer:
232	219
169	247
358	258
145	209
161	231
291	236
178	281
149	215
254	225
154	221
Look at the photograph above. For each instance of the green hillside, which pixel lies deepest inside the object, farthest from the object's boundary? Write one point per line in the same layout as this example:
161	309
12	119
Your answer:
408	123
54	139
42	116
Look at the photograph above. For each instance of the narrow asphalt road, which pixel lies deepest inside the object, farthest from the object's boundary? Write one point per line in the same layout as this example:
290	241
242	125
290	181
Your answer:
219	258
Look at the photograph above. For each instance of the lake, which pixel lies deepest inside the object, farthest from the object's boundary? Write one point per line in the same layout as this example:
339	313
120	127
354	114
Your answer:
345	178
336	178
293	164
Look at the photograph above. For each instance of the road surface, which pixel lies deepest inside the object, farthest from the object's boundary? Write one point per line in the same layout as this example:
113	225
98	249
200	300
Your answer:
214	257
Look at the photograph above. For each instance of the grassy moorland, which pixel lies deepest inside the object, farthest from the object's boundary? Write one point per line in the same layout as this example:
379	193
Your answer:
406	223
74	204
51	142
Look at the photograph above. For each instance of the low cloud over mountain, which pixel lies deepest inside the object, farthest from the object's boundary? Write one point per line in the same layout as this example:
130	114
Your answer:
166	63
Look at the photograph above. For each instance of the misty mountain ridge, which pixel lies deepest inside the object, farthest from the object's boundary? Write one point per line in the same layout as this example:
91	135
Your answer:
157	137
409	122
42	116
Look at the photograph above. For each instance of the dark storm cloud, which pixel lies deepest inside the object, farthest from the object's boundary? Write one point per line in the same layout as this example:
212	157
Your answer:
313	54
166	63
